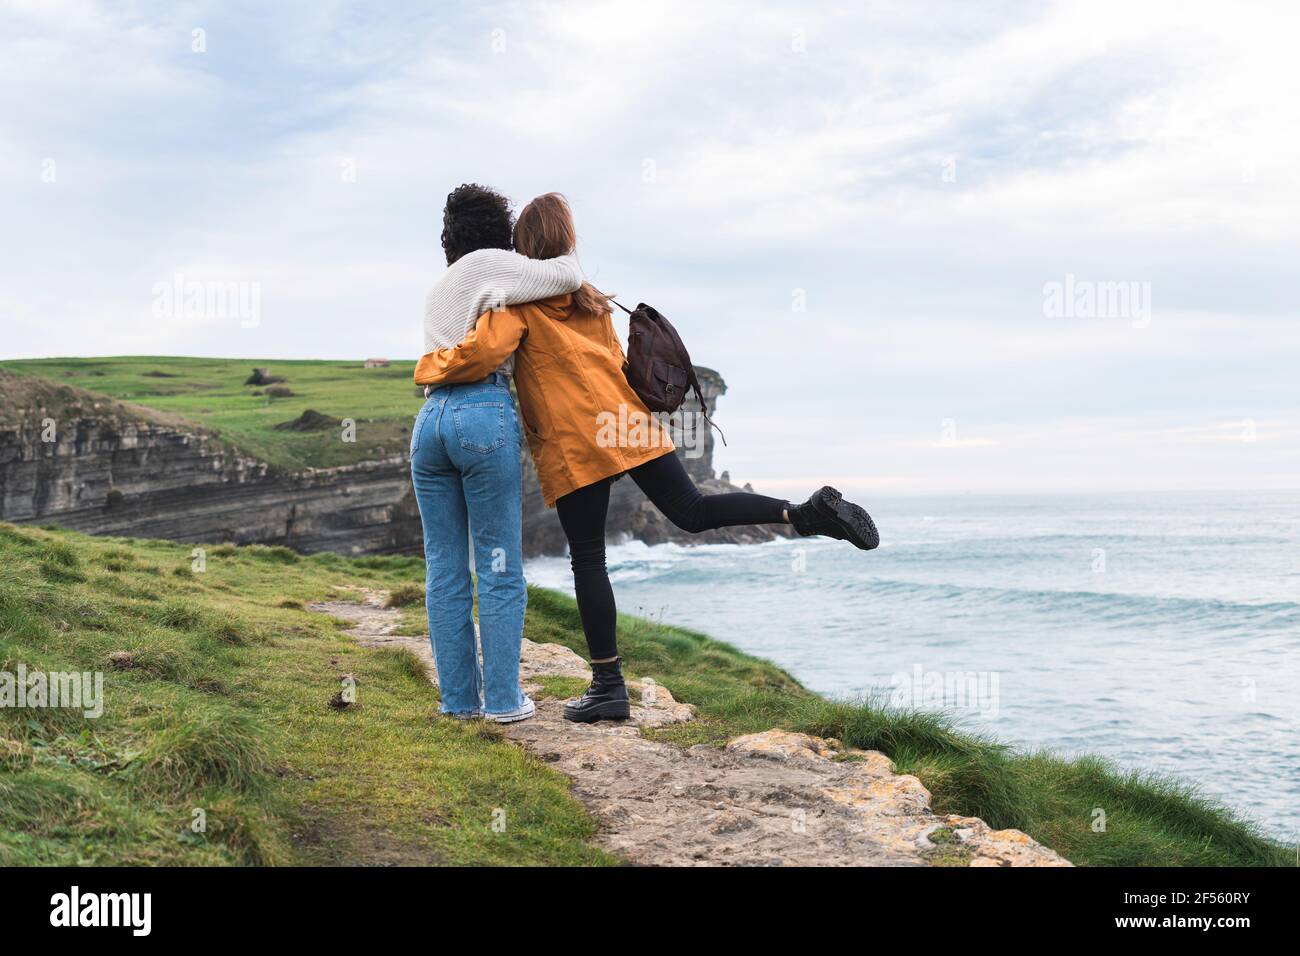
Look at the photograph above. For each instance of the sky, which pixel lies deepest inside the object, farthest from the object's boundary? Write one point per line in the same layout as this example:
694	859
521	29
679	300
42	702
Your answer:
931	247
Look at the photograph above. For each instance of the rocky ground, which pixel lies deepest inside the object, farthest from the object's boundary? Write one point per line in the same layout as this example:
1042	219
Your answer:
768	799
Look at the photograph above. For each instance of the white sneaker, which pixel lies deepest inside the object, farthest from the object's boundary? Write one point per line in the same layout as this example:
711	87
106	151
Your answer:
522	712
475	714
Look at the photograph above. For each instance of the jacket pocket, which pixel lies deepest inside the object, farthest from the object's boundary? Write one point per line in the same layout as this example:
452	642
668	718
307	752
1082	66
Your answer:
480	426
532	406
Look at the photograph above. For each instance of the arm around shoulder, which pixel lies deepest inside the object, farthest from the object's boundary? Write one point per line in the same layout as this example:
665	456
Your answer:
543	278
493	339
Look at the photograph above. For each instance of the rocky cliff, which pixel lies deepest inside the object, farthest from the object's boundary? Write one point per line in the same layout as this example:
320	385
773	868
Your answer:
91	463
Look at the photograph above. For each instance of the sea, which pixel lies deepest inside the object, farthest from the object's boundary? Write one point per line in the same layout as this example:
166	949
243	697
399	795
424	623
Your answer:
1159	630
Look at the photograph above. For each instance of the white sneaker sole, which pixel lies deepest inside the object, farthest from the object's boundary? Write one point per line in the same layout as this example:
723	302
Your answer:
512	716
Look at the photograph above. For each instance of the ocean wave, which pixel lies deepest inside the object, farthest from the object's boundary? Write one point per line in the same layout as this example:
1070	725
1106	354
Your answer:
635	562
1103	606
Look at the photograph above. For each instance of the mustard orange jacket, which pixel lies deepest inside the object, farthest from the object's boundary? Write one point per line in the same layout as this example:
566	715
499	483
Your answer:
582	420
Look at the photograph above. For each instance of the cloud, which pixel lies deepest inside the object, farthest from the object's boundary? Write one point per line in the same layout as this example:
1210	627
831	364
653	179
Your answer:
912	174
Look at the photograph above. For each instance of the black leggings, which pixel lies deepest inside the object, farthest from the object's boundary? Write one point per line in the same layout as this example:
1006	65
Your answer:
670	489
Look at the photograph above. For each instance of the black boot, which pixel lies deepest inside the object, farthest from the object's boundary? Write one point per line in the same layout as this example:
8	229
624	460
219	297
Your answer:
826	512
605	699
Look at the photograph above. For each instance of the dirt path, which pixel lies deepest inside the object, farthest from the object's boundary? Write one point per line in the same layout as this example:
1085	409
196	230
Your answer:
768	799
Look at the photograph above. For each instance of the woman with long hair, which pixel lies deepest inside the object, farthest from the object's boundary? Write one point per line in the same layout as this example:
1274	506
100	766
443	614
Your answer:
569	379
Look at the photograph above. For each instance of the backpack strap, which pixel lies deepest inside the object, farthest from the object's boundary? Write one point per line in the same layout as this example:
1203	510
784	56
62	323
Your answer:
694	382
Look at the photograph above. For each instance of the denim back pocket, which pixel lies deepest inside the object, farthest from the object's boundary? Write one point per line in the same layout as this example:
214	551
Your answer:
480	426
419	425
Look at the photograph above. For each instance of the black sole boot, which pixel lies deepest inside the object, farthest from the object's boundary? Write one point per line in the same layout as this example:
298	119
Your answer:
827	513
605	699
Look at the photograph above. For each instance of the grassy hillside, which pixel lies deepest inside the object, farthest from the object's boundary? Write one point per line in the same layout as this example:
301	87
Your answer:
212	393
217	686
25	400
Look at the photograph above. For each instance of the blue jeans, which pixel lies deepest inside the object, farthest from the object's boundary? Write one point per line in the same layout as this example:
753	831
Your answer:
465	467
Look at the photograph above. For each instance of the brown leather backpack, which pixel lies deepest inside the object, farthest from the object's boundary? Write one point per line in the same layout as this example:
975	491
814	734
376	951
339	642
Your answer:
658	367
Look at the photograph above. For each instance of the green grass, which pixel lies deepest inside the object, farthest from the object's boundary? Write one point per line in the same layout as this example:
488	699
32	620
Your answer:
406	595
211	393
216	687
1150	820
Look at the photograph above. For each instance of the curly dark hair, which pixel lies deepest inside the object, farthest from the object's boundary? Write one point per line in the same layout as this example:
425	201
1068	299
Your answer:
475	217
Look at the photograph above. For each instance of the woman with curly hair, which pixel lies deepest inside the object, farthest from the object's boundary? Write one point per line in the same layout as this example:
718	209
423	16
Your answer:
465	462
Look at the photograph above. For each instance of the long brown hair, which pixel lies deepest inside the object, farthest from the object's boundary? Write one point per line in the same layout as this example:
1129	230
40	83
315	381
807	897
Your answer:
545	230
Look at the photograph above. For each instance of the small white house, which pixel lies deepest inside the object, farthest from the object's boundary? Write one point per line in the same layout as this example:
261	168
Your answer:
377	363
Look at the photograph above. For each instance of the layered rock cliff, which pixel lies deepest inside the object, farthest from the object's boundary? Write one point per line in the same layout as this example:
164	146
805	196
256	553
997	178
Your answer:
91	463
